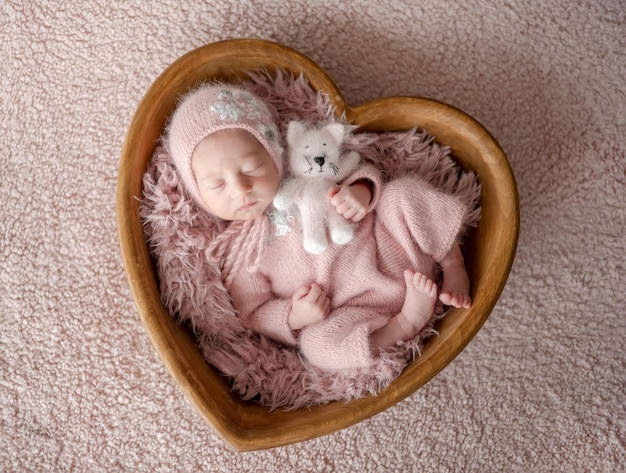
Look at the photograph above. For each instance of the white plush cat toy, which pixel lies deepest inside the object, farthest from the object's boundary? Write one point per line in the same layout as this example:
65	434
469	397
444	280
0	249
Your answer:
316	163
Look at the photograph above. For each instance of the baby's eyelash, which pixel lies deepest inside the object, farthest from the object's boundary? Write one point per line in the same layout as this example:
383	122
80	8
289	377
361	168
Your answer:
255	169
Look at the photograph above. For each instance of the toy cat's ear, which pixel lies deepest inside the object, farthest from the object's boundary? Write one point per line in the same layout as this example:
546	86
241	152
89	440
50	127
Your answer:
295	129
337	131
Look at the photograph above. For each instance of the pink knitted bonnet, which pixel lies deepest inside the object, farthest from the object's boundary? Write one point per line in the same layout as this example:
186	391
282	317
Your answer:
213	107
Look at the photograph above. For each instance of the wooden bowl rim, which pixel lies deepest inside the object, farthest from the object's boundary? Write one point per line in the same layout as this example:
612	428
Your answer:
247	426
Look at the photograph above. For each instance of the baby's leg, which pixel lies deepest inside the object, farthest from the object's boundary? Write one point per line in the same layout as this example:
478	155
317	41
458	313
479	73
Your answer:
341	340
456	284
418	308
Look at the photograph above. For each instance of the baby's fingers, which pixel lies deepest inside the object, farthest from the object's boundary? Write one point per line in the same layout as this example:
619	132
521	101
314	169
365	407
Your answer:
326	307
315	293
302	292
359	215
332	192
350	212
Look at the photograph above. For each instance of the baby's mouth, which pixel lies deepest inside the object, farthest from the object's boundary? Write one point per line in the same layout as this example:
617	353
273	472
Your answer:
248	205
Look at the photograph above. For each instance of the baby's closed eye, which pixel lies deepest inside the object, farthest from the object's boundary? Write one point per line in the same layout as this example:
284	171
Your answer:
253	168
216	185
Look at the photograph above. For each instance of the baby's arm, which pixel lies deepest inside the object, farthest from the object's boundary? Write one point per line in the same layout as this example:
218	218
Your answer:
358	194
259	309
353	201
309	305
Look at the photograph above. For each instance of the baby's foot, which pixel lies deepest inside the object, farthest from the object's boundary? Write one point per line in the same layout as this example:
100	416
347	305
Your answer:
455	288
418	308
419	302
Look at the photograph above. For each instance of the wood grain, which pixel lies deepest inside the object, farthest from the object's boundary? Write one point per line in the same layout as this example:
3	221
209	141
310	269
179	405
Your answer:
489	251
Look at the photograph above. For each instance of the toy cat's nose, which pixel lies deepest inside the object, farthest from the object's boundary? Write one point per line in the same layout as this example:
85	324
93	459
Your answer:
319	160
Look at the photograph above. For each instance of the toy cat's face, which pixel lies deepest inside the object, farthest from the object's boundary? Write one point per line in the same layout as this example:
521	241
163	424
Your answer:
314	153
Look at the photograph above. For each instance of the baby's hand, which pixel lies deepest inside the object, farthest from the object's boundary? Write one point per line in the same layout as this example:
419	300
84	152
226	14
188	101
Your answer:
352	201
309	305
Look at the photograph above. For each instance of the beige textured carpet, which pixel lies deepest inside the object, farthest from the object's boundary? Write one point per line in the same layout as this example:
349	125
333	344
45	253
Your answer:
542	386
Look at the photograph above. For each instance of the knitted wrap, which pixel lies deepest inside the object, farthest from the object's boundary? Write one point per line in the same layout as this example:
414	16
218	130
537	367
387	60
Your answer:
180	237
248	237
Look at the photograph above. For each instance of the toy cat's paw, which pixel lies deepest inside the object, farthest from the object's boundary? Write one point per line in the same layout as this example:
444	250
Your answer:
281	202
313	246
342	235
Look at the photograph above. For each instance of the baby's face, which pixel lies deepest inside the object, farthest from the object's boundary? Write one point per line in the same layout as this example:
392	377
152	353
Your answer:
236	176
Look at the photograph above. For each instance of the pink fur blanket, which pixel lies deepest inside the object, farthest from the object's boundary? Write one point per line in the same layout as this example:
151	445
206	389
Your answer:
178	235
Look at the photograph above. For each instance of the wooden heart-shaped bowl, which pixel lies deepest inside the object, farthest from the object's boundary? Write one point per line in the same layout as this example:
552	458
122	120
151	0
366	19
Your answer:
489	249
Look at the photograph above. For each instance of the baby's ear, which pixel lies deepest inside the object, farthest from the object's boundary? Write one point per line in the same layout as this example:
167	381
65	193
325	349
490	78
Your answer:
295	129
337	131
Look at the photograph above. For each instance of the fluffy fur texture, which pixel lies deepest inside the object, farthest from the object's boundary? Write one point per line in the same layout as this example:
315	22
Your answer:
179	235
316	162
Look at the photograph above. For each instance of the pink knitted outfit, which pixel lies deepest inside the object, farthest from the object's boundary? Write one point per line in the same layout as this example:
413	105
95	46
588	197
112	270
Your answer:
410	225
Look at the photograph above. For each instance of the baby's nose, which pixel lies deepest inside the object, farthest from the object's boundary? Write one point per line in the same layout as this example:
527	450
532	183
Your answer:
241	186
319	160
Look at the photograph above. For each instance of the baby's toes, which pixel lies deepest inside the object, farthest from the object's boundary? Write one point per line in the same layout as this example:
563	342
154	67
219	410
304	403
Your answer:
424	284
461	301
408	277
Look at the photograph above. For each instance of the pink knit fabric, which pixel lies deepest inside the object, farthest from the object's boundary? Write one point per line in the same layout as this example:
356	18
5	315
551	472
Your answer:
413	226
180	234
